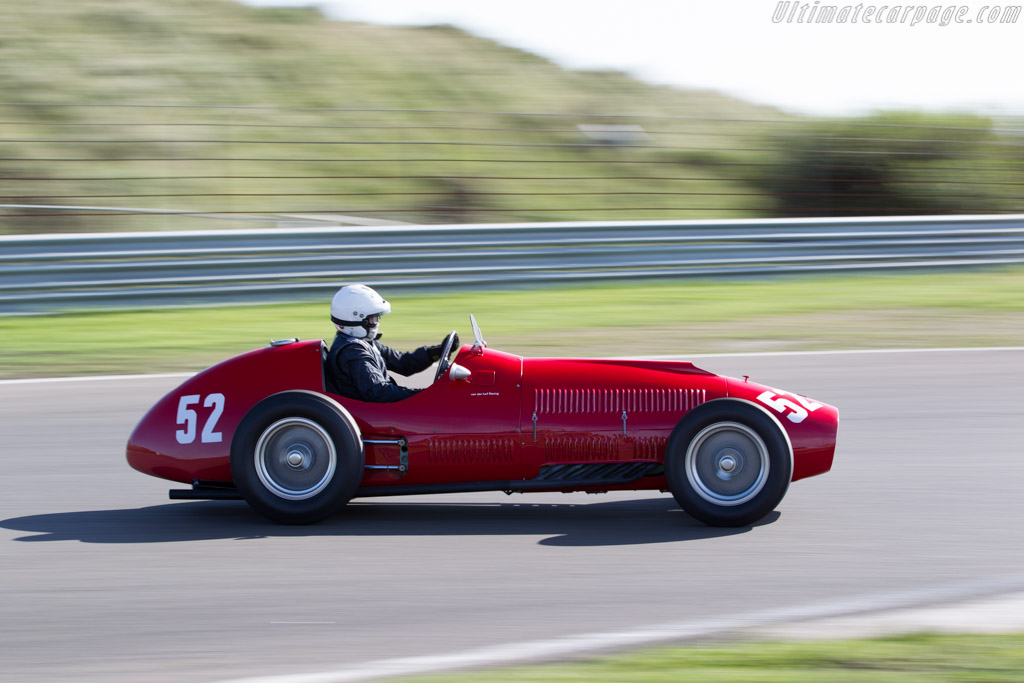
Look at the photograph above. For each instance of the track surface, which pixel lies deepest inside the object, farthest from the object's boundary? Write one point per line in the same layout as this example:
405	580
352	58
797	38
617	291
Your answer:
102	578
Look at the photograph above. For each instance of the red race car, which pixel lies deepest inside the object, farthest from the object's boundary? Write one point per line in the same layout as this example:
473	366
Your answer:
262	426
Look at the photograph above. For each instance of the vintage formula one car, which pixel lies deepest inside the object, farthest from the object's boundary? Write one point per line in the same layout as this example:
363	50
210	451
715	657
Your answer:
264	426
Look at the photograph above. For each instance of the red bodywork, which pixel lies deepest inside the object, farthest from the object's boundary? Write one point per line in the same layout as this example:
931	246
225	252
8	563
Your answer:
511	417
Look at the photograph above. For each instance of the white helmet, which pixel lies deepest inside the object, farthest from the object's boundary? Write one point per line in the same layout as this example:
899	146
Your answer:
356	311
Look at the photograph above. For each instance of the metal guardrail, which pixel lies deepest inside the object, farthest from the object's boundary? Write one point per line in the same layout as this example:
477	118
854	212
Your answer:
48	272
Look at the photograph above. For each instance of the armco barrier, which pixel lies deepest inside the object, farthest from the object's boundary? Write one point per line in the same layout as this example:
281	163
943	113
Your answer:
47	272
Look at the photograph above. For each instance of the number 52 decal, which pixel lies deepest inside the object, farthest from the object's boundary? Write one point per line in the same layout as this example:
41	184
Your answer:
798	406
188	418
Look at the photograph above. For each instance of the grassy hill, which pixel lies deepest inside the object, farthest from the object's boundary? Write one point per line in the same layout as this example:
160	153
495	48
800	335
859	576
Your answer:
213	106
221	52
209	105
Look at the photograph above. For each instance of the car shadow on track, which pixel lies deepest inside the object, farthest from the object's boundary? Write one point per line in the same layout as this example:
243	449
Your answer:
629	522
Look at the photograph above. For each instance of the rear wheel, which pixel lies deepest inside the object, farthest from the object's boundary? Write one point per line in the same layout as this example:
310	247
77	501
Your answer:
728	463
297	457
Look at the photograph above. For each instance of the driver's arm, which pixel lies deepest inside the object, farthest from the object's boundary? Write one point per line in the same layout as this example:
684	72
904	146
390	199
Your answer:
411	362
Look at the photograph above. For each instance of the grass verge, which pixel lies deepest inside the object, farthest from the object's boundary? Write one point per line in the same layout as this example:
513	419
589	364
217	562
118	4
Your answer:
934	658
984	308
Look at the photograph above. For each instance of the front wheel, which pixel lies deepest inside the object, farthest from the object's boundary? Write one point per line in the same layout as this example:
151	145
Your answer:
728	463
297	457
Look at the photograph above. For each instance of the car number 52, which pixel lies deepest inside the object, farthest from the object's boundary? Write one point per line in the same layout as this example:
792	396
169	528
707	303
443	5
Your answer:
798	407
189	419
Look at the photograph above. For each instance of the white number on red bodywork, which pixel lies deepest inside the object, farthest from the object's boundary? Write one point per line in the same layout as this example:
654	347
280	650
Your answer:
799	407
189	419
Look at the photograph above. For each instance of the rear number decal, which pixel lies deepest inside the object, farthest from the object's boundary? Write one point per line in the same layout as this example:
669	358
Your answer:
189	419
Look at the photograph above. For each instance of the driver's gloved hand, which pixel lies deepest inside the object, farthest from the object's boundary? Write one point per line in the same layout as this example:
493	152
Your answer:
435	351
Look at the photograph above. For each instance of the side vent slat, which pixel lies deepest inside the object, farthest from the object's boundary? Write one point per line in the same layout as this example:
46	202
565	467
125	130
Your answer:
596	474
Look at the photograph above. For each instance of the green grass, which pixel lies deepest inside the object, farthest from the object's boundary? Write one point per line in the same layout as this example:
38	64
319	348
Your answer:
932	658
984	308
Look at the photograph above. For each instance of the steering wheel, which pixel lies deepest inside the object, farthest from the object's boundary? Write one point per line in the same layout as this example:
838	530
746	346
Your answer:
445	361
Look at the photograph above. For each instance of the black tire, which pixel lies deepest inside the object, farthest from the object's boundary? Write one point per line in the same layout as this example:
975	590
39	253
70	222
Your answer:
728	463
297	457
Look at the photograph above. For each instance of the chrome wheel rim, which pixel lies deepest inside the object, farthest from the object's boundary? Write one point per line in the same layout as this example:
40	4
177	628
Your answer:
727	463
295	458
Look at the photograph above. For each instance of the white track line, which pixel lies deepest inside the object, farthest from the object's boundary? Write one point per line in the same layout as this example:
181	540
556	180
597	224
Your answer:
763	354
565	646
849	352
94	378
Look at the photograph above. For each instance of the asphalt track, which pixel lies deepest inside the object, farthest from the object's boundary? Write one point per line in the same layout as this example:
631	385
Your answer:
103	578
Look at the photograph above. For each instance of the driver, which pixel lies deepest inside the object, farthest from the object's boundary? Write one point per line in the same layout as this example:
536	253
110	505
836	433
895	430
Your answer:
357	364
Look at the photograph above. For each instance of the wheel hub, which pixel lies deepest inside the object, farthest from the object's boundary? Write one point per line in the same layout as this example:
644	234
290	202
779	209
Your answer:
299	457
728	460
727	463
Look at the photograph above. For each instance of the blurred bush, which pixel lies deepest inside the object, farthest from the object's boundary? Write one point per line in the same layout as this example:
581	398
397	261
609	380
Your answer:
898	163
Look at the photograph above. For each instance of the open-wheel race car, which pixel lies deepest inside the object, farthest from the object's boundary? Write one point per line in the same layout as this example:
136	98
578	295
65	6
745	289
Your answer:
264	426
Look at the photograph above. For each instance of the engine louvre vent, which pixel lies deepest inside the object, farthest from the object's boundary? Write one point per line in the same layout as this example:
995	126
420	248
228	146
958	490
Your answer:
581	448
650	447
581	401
471	451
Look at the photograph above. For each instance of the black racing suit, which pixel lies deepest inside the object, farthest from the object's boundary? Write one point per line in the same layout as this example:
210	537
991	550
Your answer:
358	368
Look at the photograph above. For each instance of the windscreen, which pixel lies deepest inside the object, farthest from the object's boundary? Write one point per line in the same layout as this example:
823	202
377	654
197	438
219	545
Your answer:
478	337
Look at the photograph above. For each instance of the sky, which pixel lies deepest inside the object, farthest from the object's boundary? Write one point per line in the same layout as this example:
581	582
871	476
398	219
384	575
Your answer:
786	54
